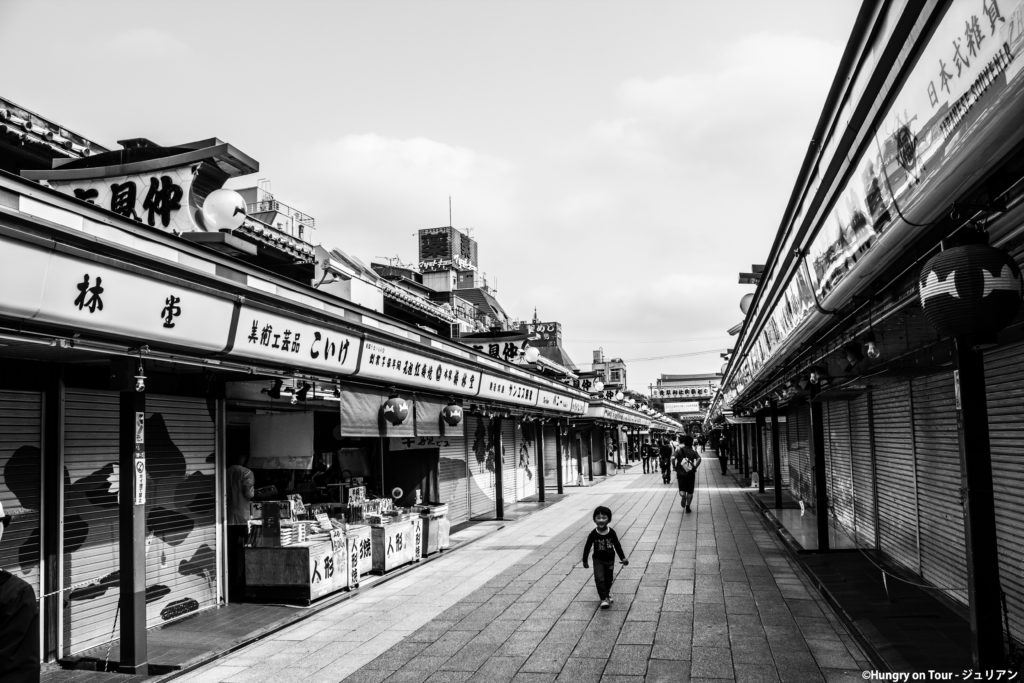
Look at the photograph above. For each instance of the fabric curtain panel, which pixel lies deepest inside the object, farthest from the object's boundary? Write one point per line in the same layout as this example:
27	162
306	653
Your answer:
360	411
428	418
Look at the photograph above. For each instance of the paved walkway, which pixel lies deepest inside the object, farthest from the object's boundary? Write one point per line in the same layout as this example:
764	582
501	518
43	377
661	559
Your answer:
708	595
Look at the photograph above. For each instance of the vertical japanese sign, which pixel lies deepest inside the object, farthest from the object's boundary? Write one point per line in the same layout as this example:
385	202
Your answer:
140	459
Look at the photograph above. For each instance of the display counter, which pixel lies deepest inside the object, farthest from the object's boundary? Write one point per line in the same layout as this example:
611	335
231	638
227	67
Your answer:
360	534
299	573
436	527
396	541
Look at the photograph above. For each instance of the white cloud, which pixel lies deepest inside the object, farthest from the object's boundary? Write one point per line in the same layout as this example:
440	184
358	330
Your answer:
146	41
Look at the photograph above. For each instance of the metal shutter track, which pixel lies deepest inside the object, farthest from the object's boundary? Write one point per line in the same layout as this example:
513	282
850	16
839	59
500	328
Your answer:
20	427
894	464
452	474
1004	377
863	478
839	470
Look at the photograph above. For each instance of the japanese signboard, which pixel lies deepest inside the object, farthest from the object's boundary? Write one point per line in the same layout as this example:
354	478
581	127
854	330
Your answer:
58	288
158	199
273	337
509	391
553	401
401	366
417	442
139	468
683	407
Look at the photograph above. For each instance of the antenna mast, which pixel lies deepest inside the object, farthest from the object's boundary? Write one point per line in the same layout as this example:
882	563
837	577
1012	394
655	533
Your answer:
449	211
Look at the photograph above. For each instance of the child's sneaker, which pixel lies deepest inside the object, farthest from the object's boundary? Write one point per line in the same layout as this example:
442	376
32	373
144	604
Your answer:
610	600
605	604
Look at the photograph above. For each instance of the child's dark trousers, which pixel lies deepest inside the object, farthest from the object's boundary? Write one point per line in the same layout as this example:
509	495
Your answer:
604	573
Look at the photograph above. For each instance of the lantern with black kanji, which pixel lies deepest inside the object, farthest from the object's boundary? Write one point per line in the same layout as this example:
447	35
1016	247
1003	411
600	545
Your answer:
970	291
452	414
395	410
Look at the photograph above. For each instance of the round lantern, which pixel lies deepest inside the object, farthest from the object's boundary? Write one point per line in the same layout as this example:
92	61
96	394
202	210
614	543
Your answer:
970	291
746	301
223	210
531	354
452	414
395	410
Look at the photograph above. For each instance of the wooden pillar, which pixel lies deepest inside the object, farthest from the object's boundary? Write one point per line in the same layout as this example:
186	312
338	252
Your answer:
820	481
499	469
538	432
590	455
759	450
776	456
983	590
134	656
559	483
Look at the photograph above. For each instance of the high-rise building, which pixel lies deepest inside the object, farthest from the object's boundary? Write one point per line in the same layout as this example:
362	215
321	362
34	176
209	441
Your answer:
446	248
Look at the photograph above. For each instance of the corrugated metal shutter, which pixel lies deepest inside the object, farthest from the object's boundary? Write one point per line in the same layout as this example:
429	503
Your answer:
1004	379
181	541
894	465
551	456
526	460
784	452
839	471
481	468
453	473
181	524
941	517
509	451
801	477
90	517
864	504
21	483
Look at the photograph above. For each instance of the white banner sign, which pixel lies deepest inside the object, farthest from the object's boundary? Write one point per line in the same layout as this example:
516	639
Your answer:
272	337
391	364
502	389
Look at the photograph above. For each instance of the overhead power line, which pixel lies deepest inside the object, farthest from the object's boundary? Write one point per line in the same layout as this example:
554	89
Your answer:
674	355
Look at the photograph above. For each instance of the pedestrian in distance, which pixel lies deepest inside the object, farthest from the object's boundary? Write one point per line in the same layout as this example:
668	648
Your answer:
686	463
665	461
723	460
645	456
19	625
605	543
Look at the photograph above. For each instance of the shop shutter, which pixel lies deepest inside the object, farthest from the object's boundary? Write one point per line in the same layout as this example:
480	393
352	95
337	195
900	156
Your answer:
894	466
21	483
526	460
784	452
180	513
181	523
937	451
864	504
90	518
801	477
453	473
481	469
839	471
1004	379
509	452
551	456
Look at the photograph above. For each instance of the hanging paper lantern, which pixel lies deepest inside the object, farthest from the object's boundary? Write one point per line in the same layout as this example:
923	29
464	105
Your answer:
452	414
223	210
395	410
970	291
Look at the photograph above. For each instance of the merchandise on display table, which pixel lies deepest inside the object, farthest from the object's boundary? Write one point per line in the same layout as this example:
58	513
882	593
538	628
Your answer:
436	527
397	540
299	573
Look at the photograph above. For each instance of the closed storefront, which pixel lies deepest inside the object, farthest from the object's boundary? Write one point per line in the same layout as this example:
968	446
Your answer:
453	474
550	436
801	476
839	470
509	469
862	461
894	467
526	460
481	468
181	538
1004	378
20	485
940	513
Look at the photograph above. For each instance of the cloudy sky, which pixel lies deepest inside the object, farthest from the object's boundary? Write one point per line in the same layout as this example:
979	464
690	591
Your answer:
619	163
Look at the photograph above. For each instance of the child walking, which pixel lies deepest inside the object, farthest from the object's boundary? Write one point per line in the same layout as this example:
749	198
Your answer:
606	544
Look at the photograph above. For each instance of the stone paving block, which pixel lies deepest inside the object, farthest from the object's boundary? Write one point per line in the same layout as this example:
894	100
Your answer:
643	610
667	671
470	658
547	659
715	635
448	644
750	649
448	677
526	677
844	675
363	674
408	676
679	587
577	669
711	662
566	631
678	603
762	671
521	643
676	649
640	633
498	631
628	660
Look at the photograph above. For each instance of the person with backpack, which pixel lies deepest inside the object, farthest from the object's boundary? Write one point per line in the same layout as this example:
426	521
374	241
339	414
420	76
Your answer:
686	463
